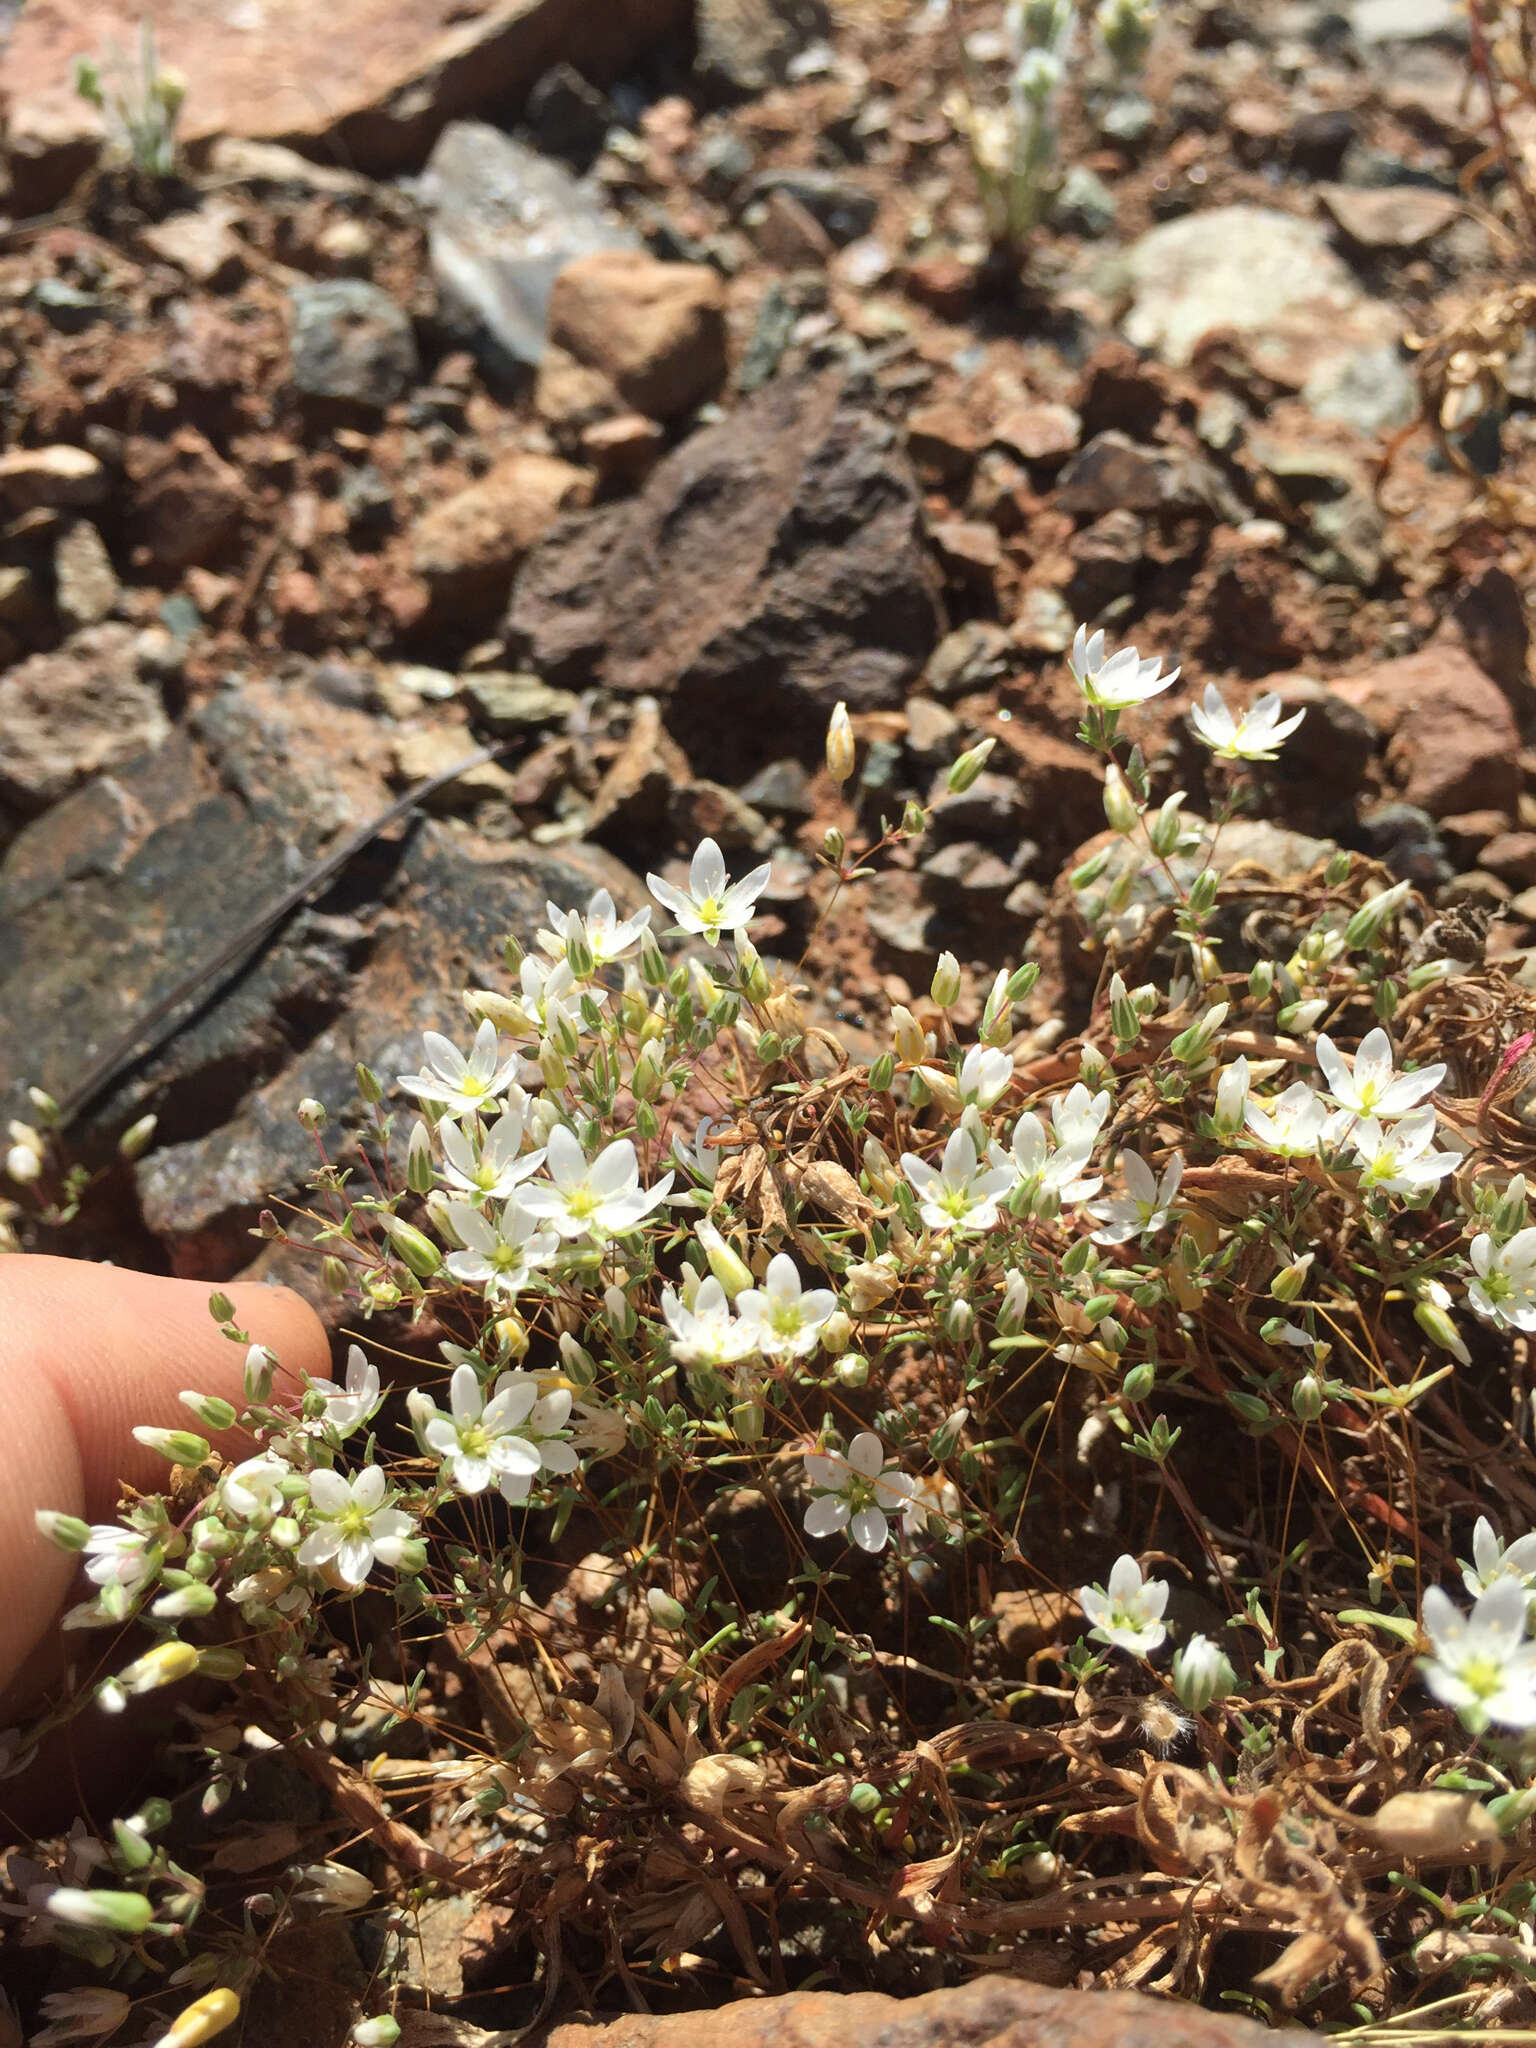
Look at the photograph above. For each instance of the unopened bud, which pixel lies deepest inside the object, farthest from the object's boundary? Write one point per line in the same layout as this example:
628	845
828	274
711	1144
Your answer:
211	1411
369	1086
23	1165
1289	1283
418	1251
969	766
179	1445
665	1611
334	1276
851	1370
907	1036
137	1139
1261	980
311	1114
1168	827
882	1073
945	987
379	2032
1139	1381
1439	1329
64	1532
201	2020
1120	807
1202	1674
419	1175
109	1912
166	1664
756	982
1308	1398
833	846
840	749
552	1067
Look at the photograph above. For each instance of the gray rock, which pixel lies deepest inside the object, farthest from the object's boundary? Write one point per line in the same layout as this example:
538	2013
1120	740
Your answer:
351	341
503	223
84	580
1408	21
772	565
73	713
1303	317
744	46
1084	205
457	897
513	703
844	208
65	306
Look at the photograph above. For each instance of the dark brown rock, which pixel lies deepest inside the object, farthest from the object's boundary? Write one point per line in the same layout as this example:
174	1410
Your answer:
187	501
771	565
993	2012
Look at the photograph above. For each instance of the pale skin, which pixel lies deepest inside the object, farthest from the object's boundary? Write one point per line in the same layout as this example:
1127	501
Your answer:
86	1352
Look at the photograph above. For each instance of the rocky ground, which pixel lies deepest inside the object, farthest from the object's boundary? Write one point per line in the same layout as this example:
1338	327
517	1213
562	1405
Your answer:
629	428
624	394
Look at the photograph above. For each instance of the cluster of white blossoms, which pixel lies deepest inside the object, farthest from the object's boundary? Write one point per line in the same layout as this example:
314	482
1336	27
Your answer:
551	1191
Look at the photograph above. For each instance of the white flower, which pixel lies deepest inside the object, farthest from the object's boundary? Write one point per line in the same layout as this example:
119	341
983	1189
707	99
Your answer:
783	1317
705	1332
1399	1161
334	1885
463	1086
961	1194
607	938
1202	1674
984	1073
1077	1118
601	1197
1253	735
489	1171
551	997
1118	682
499	1440
349	1526
80	2015
1128	1612
856	1492
712	903
1482	1663
255	1487
1493	1560
124	1557
1035	1165
358	1402
1373	1089
1505	1288
1292	1124
499	1256
1232	1095
1144	1206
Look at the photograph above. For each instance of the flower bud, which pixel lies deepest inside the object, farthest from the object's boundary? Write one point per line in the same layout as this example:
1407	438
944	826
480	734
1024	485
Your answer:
420	1254
221	1661
110	1912
260	1365
1167	827
369	1086
311	1114
212	1412
420	1177
969	766
1308	1398
380	2032
665	1611
187	1603
1202	1674
334	1275
1088	873
1202	891
552	1067
907	1036
840	751
1120	807
851	1370
882	1073
1014	1306
1139	1381
579	956
1124	1018
945	987
1261	980
1232	1096
756	981
959	1321
1365	926
64	1532
1192	1046
137	1139
833	846
1289	1283
23	1165
1339	869
1439	1329
181	1446
166	1664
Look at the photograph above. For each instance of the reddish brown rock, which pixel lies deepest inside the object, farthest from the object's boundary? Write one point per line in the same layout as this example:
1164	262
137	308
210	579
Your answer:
468	546
187	501
271	72
654	331
993	2012
1451	742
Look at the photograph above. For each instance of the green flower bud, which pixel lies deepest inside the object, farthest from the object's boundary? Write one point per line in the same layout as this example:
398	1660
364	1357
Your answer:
969	766
181	1446
222	1661
420	1254
369	1086
1139	1381
1085	876
109	1912
137	1139
1308	1398
311	1114
945	986
1120	807
221	1308
882	1073
212	1412
864	1798
851	1370
666	1612
420	1176
64	1532
1339	869
1202	1674
1261	980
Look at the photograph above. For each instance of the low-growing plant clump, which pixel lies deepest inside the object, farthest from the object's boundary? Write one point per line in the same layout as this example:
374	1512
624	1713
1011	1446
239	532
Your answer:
1026	1502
